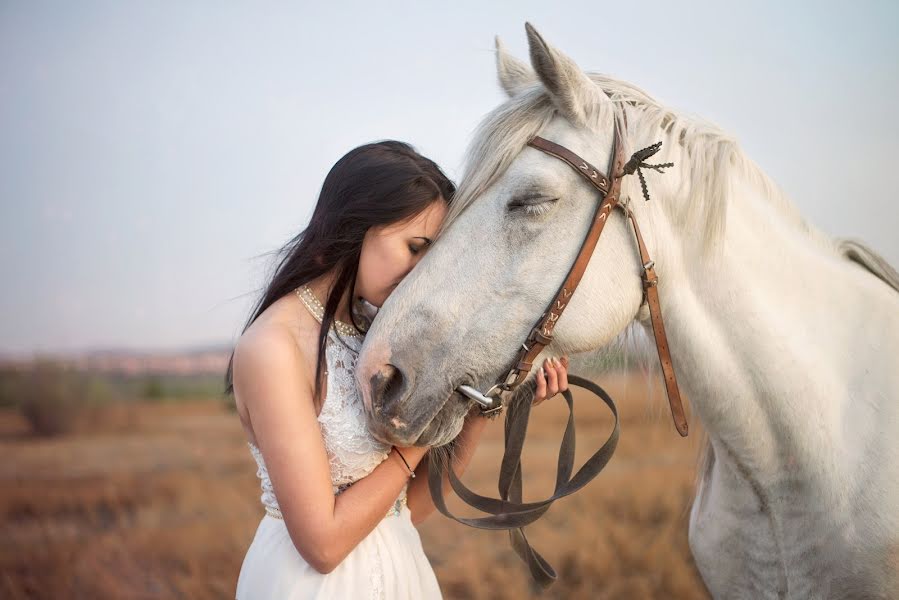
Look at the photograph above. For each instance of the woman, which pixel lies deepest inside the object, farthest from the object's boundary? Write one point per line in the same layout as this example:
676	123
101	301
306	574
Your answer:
340	505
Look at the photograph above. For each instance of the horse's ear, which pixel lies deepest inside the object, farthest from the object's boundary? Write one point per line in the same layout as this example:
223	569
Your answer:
513	74
572	91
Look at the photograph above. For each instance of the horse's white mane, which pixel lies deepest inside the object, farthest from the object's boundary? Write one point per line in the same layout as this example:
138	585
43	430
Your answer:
715	158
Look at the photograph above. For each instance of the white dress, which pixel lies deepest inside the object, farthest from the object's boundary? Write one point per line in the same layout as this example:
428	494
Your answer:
389	563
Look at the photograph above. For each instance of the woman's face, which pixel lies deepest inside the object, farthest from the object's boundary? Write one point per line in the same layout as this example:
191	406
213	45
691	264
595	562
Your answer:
389	252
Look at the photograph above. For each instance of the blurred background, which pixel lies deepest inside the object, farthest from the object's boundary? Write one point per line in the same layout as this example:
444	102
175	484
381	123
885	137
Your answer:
153	155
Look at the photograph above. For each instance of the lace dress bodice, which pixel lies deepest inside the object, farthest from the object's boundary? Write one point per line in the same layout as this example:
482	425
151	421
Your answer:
352	451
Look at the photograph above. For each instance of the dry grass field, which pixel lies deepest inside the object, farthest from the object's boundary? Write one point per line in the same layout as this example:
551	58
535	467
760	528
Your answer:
162	501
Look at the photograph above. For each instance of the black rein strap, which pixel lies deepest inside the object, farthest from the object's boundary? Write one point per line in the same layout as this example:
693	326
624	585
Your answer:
508	511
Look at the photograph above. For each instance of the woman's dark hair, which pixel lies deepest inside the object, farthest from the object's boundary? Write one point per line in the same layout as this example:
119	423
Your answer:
381	183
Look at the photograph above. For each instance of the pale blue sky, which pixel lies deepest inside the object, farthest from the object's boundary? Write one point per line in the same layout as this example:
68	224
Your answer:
152	151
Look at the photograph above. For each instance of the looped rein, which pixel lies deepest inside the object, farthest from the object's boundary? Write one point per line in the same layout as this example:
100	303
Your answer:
508	511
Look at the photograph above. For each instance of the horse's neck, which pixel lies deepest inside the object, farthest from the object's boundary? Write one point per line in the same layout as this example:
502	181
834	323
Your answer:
785	350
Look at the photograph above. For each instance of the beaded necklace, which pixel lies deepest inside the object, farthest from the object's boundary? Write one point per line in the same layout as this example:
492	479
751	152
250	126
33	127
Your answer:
304	293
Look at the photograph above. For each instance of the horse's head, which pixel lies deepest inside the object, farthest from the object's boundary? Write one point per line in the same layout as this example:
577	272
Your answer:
511	236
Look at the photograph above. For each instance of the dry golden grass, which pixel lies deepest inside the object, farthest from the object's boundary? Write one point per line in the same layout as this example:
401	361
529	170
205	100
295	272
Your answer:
162	501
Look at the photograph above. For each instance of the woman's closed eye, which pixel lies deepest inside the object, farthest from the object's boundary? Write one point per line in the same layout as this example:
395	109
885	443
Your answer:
418	248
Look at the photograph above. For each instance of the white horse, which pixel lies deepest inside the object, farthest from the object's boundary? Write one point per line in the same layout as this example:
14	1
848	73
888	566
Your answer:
784	340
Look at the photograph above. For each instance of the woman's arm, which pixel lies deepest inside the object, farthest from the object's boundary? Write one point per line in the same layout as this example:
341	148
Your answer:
551	379
270	378
418	495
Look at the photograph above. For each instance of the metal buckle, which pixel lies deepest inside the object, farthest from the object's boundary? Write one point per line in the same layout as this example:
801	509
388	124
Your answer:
647	282
493	412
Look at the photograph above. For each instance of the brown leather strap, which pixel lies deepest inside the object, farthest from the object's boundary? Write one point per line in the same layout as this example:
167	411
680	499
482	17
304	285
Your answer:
651	294
592	174
544	327
542	333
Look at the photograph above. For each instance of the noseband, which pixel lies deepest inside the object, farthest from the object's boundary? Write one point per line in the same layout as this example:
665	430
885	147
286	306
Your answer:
509	512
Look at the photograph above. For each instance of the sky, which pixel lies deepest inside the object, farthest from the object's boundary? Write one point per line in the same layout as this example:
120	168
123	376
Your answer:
154	154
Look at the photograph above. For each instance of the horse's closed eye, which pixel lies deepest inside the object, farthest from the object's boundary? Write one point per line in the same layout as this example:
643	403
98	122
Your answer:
533	206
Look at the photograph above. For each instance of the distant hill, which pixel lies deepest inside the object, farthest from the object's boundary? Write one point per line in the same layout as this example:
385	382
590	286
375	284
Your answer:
198	360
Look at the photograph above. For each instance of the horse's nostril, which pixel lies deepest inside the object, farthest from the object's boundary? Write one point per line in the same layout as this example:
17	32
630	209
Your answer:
386	386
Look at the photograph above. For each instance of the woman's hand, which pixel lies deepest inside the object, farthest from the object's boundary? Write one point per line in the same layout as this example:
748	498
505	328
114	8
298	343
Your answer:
552	378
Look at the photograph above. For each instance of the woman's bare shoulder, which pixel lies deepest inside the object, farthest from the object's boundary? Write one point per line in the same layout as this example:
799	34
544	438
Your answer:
275	343
282	337
285	320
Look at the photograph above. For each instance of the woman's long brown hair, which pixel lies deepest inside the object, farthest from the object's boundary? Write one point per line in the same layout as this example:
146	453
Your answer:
376	184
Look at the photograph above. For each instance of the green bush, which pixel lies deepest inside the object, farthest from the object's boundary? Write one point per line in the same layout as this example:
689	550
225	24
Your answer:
10	383
230	403
52	396
153	388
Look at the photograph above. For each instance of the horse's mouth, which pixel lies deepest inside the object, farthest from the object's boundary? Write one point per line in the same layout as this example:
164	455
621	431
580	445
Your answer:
442	428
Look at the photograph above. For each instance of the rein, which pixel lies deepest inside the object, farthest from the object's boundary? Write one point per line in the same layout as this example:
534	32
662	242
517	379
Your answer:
508	511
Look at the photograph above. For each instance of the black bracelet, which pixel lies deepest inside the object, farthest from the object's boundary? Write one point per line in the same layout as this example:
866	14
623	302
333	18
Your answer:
411	472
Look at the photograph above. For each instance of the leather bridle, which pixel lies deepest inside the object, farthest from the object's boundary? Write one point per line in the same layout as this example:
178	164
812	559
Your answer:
508	511
542	333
